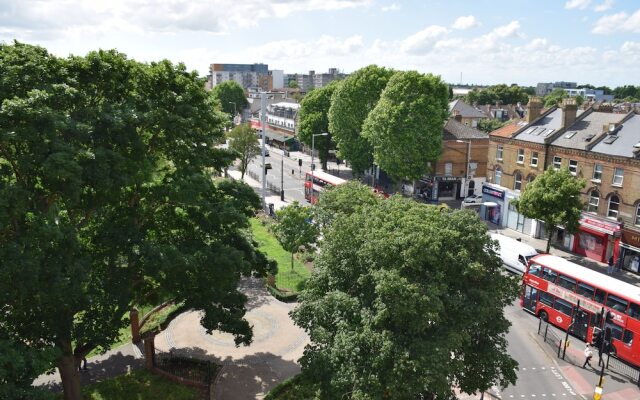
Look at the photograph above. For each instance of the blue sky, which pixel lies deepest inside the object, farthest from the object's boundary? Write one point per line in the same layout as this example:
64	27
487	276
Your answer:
484	41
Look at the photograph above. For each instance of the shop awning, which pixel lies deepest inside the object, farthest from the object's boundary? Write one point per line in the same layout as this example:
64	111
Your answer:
277	136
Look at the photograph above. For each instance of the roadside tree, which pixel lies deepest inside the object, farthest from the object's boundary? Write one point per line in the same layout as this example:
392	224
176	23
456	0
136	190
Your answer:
244	142
340	201
406	301
107	201
554	198
405	127
295	228
351	102
313	119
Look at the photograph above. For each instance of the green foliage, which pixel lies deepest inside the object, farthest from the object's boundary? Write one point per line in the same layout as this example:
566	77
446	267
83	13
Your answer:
243	141
622	92
227	93
405	127
554	198
350	104
555	97
579	100
294	228
490	125
499	93
139	385
20	364
404	300
107	201
296	388
342	200
293	84
313	119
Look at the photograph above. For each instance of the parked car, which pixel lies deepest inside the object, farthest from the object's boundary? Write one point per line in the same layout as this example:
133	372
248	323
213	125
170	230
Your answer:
473	199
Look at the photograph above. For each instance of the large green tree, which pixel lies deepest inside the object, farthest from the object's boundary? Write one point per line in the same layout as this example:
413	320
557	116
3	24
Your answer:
313	119
227	93
341	200
554	198
295	228
107	201
405	300
244	142
405	127
490	124
501	93
350	104
555	97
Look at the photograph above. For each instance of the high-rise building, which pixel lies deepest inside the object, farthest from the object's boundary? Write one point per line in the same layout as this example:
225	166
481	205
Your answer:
247	75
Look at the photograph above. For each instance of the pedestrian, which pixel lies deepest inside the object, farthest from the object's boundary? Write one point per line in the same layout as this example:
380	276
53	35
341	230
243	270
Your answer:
588	354
610	266
597	341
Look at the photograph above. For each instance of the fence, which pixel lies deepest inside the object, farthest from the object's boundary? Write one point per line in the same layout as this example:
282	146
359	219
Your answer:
551	337
274	187
187	370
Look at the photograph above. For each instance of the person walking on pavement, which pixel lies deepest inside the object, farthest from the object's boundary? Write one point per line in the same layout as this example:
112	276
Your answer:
610	266
597	341
588	354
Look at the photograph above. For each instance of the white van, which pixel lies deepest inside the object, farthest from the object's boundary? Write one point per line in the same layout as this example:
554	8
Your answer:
514	254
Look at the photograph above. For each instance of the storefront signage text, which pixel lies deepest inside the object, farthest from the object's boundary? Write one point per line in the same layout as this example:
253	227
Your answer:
499	194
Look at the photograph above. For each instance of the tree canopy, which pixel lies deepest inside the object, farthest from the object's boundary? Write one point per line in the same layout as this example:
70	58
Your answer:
554	198
244	142
227	93
405	127
499	93
350	104
313	119
295	228
405	300
490	124
107	201
555	97
341	200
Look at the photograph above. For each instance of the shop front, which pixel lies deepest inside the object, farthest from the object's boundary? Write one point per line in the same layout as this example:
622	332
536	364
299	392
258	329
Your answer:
438	188
630	250
493	204
597	238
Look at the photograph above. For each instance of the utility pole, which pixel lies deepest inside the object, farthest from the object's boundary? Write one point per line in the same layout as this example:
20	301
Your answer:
282	177
263	118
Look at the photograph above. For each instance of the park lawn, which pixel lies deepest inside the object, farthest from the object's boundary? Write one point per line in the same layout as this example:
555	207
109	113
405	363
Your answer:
139	385
286	278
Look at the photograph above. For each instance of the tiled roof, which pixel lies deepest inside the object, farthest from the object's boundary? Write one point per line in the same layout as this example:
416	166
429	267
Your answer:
465	110
454	130
544	127
586	130
508	130
628	136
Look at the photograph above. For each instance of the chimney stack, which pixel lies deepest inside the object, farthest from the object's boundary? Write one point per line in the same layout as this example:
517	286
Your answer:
569	111
534	108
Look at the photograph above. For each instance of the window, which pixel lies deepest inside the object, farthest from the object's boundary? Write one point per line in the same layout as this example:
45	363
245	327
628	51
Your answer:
614	204
617	303
573	167
499	152
616	331
567	283
498	176
520	156
634	310
618	176
597	172
534	159
517	183
638	214
448	169
628	337
600	295
531	178
585	290
549	275
557	162
563	306
546	298
594	201
535	269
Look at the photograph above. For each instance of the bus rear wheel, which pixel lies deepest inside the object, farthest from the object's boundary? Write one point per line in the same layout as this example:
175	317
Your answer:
544	316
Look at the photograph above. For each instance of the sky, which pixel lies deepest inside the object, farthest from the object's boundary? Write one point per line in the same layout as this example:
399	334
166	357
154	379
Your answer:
468	41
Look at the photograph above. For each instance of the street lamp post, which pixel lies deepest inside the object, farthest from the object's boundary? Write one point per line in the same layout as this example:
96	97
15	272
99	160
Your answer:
263	110
313	145
466	178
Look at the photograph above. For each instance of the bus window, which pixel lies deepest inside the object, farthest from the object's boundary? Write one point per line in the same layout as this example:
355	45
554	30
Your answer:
628	337
600	295
585	290
536	270
546	298
567	283
549	275
563	306
617	303
616	331
634	311
596	320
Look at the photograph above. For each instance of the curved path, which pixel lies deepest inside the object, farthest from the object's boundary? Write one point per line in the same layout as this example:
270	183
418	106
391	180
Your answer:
248	372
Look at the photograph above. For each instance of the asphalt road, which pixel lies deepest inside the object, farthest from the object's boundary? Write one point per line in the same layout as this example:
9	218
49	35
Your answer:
293	182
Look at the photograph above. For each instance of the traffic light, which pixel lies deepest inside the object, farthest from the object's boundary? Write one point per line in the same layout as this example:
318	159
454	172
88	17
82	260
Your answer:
267	167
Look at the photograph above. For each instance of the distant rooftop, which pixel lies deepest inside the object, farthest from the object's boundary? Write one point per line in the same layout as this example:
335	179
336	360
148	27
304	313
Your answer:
454	130
623	141
465	110
544	127
508	130
587	130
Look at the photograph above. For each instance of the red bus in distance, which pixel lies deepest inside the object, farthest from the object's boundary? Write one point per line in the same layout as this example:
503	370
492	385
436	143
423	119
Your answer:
321	181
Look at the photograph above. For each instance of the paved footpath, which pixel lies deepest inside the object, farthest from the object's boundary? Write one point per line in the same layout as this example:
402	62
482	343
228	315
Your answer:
248	372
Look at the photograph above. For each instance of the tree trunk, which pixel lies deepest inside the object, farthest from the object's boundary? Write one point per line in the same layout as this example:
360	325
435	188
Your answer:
549	236
292	261
69	376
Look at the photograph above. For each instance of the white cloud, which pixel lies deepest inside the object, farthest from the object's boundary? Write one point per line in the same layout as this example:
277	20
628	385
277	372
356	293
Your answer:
604	6
465	22
422	41
620	22
391	7
579	4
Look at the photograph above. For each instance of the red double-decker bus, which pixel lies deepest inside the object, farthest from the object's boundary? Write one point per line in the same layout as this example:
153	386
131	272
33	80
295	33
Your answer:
552	287
321	181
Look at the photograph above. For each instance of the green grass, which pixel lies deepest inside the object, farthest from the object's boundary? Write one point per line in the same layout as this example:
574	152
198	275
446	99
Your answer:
287	279
295	388
139	385
157	319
